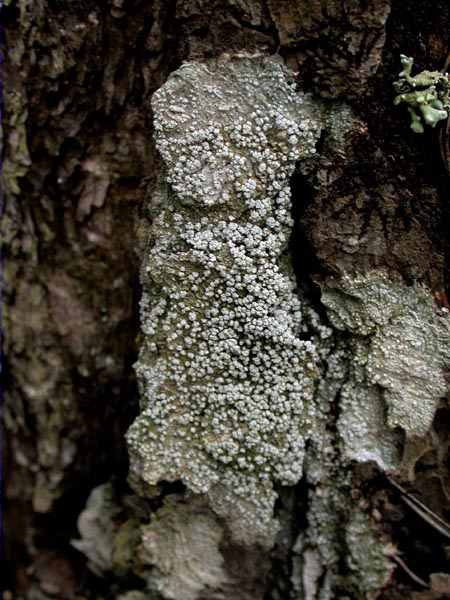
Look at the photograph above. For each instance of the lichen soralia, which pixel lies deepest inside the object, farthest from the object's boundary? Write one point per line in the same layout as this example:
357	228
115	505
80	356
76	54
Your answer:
227	369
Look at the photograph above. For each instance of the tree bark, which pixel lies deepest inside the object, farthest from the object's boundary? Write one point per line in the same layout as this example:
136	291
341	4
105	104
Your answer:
87	189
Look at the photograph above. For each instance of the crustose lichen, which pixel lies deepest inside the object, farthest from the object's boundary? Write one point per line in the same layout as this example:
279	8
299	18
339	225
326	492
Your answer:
228	368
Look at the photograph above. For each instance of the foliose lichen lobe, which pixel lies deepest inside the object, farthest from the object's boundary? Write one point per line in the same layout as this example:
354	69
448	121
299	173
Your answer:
406	340
227	369
426	95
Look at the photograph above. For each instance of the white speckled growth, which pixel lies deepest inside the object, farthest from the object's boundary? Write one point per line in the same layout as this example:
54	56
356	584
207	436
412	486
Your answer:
227	369
237	372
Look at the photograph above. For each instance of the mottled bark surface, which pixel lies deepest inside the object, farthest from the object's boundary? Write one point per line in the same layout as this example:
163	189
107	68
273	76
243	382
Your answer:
80	167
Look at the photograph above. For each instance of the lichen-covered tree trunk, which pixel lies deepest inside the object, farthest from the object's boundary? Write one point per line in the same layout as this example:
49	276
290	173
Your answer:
225	274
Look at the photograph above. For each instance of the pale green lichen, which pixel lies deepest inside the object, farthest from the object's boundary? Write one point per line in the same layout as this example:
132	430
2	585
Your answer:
340	547
363	432
408	343
180	550
237	373
227	370
367	559
386	375
427	95
98	529
172	552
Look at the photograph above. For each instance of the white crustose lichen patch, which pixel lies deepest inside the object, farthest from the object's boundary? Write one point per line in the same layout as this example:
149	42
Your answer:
227	369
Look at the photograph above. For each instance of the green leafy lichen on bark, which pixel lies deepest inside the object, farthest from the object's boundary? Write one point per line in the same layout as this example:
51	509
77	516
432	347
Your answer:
427	95
228	369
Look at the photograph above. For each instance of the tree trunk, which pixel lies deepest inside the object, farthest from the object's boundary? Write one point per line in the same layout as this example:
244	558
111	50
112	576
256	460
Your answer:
226	329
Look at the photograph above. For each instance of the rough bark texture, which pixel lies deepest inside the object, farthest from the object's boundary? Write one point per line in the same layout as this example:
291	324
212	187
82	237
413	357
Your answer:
369	250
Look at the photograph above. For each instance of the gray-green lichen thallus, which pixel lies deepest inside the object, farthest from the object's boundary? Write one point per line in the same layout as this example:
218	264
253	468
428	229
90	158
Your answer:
239	376
426	95
228	368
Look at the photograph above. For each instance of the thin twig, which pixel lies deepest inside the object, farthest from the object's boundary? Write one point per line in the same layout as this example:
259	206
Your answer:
401	563
423	511
446	64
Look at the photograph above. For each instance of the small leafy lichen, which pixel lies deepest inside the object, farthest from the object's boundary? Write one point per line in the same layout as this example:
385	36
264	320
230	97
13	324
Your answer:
427	95
228	369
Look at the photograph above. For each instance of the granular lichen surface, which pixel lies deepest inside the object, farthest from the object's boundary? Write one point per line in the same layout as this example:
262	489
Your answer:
228	368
